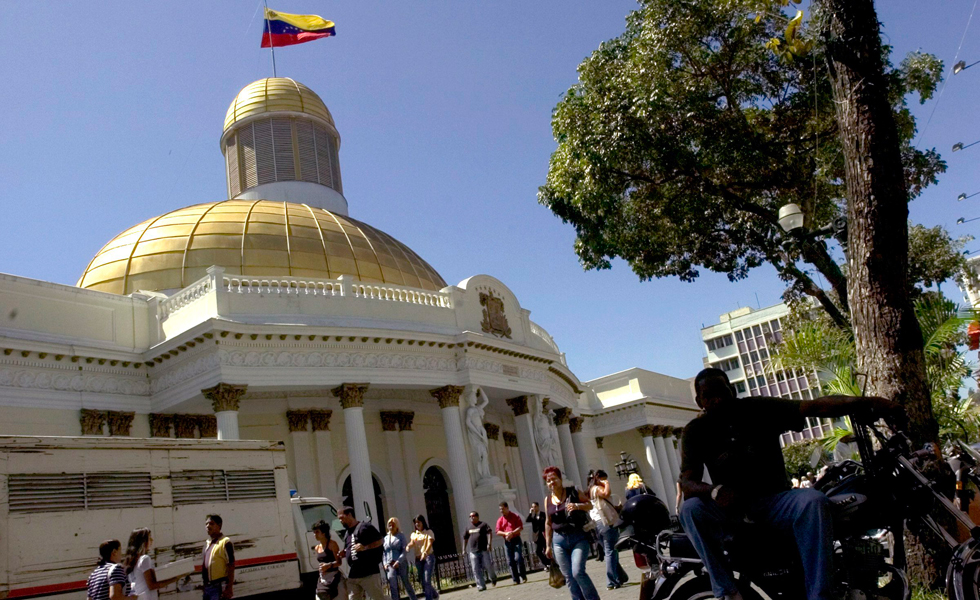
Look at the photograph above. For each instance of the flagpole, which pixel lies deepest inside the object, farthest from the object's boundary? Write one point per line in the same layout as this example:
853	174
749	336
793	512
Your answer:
271	43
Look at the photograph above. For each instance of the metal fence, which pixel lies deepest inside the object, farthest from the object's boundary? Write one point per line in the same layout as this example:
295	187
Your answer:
454	570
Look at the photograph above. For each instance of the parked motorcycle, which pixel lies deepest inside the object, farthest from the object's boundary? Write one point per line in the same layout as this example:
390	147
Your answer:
873	500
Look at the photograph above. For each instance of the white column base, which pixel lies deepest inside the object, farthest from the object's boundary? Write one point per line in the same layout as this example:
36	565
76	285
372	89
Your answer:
227	424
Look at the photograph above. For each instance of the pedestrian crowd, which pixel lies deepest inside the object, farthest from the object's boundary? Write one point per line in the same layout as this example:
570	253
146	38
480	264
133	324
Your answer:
132	576
564	534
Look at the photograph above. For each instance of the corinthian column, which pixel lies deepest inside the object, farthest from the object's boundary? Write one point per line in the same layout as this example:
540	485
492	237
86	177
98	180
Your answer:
528	449
653	478
581	453
224	401
514	459
493	434
562	415
665	471
459	470
413	476
326	469
396	464
351	397
299	436
675	470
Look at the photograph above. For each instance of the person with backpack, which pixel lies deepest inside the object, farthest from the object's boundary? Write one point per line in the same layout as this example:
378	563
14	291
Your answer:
605	515
108	580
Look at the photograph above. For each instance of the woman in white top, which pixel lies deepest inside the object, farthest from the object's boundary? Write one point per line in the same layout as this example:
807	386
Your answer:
140	568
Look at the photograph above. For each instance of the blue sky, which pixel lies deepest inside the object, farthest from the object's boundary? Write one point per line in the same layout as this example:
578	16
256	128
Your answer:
110	114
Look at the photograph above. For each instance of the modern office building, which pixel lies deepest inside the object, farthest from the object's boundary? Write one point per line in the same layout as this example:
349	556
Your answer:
739	345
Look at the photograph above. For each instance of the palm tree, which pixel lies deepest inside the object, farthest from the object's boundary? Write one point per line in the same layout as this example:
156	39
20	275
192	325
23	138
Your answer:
816	346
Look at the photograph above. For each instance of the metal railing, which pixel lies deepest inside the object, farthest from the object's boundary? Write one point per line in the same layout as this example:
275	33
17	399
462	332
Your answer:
453	571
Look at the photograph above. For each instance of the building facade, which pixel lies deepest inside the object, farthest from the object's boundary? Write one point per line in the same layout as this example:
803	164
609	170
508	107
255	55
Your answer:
274	315
740	344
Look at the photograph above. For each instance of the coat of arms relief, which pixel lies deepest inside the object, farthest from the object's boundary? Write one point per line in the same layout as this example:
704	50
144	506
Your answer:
494	319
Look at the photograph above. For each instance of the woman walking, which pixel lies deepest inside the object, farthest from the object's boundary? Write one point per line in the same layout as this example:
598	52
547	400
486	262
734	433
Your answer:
395	560
140	568
567	513
604	515
330	585
635	486
422	541
108	580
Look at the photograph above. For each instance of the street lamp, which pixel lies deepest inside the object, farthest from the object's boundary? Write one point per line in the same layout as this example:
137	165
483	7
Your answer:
963	196
626	465
961	220
791	220
962	65
960	146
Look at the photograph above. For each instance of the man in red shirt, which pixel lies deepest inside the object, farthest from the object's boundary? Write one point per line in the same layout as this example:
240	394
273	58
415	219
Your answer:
509	527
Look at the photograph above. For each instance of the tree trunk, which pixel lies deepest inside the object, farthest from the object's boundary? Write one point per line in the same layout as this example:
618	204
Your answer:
886	332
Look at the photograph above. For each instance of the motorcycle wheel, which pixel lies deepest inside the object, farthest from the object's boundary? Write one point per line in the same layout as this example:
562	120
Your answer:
700	589
971	583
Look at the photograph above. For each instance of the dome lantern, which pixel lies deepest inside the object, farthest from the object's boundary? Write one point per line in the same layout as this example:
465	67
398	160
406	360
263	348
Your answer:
280	143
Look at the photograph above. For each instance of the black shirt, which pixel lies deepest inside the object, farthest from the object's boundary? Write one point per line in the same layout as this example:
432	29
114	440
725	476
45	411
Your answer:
477	537
366	562
740	446
537	522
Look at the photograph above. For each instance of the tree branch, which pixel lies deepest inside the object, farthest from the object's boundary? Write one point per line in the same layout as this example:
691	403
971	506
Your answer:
810	287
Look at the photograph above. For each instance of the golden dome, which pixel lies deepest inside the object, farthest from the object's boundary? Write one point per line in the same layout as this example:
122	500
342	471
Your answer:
252	237
275	94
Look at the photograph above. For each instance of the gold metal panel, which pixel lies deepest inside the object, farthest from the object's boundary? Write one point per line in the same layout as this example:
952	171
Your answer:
301	244
272	95
212	256
216	241
340	251
342	266
172	244
265	242
218	227
307	260
174	250
155	262
266	258
367	270
168	279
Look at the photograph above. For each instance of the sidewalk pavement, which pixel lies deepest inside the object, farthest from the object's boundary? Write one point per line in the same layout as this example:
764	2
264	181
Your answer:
537	587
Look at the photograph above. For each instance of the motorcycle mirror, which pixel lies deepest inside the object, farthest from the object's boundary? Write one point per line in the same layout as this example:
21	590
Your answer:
815	456
847	439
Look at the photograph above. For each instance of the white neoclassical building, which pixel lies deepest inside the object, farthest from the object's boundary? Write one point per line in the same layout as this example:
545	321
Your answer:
275	315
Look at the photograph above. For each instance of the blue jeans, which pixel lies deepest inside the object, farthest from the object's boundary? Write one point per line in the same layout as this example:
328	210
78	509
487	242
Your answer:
803	513
212	591
482	562
515	557
571	550
608	536
393	575
426	569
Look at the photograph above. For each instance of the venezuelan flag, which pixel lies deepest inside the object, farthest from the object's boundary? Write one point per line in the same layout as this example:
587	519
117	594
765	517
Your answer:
284	29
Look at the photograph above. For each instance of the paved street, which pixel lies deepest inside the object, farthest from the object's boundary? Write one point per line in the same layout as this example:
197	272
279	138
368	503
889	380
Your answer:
537	587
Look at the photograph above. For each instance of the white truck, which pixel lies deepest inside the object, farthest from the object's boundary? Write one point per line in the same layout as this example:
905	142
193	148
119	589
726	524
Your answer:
60	497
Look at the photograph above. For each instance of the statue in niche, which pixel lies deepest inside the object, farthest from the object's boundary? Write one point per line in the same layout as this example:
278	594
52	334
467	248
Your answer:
545	436
479	443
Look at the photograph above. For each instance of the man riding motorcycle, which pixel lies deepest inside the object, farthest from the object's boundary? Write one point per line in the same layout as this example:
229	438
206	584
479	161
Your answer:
737	439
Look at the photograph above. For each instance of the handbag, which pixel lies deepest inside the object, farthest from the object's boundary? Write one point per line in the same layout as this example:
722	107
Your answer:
555	578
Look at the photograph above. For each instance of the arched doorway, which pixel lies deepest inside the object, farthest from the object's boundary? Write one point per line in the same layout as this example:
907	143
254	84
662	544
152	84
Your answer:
379	500
439	511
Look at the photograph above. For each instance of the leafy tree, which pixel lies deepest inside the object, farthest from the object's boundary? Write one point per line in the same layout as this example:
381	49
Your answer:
816	346
797	457
934	257
686	134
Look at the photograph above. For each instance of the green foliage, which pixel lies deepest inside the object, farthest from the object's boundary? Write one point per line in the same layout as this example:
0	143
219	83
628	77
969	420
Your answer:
922	593
815	345
685	135
934	257
797	457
